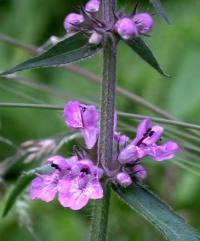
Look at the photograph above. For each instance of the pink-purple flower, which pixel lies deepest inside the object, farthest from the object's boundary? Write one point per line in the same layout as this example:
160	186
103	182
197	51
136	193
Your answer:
124	179
126	28
145	144
75	181
75	193
72	21
95	38
144	22
84	118
92	6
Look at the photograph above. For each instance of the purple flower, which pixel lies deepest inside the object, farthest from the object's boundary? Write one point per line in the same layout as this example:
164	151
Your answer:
95	38
75	182
72	20
163	152
144	22
84	118
92	6
121	139
144	144
124	179
139	172
45	187
75	193
126	28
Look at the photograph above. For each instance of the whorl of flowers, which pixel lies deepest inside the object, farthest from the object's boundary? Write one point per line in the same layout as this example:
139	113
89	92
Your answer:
90	22
76	179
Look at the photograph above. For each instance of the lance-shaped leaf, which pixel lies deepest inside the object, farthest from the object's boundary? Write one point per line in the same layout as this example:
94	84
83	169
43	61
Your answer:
143	50
23	181
172	226
158	6
70	50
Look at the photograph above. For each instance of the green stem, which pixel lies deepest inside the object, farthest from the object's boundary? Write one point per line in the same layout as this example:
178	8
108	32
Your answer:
100	217
105	148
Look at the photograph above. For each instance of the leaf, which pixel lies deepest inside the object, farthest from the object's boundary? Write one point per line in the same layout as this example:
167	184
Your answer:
21	184
143	50
158	6
67	51
172	226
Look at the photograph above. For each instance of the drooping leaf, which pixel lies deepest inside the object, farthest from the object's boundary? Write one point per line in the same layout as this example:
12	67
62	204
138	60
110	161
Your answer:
172	226
21	184
158	6
70	50
142	49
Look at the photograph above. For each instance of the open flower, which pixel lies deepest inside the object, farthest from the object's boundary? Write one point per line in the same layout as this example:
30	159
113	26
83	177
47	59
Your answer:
145	145
84	118
45	187
75	193
76	182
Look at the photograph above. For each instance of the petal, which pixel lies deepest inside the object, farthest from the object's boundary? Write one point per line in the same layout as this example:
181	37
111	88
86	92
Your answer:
129	154
72	115
163	152
141	130
121	139
90	116
64	196
157	132
71	196
59	161
96	190
43	188
115	121
90	136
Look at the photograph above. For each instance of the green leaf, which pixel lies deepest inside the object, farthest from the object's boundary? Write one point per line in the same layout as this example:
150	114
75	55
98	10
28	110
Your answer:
143	50
158	6
21	184
70	50
172	226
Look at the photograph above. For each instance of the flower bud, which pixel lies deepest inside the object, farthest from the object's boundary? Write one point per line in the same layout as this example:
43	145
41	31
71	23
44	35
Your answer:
126	28
92	6
124	179
144	22
140	172
71	20
95	38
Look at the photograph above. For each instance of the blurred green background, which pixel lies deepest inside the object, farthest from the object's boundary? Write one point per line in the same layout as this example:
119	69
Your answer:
178	48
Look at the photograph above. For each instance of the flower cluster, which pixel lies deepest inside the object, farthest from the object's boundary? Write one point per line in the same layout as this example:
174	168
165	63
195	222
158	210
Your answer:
77	179
133	26
88	21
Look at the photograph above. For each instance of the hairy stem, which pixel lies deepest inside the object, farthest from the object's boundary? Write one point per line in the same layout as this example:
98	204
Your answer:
107	102
105	147
100	217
